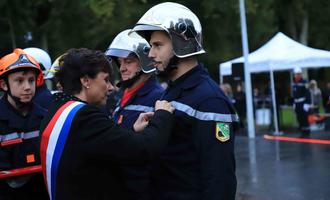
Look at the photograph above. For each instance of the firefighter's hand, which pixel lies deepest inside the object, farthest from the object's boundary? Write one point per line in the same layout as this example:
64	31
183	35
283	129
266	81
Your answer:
164	105
142	122
306	107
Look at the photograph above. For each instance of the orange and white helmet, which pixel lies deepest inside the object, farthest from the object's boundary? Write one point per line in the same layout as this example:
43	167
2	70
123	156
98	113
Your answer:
20	60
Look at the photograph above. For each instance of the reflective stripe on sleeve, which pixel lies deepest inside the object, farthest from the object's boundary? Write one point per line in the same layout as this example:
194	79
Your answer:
139	108
205	116
299	84
15	135
299	100
116	109
31	134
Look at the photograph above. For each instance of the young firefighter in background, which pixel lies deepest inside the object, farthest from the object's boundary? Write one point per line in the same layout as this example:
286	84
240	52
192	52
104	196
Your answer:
19	126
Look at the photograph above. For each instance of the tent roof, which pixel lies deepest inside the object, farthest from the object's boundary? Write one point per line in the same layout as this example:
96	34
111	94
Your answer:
280	53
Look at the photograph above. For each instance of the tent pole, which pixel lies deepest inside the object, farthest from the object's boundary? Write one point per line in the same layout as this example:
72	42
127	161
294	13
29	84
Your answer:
247	75
272	82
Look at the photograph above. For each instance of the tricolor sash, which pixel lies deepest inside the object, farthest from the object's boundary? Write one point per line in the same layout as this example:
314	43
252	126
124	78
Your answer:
53	141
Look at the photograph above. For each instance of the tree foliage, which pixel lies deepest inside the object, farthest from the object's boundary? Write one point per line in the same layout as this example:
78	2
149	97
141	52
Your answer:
57	25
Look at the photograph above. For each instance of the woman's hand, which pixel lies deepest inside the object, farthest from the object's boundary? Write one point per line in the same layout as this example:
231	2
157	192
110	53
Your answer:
142	121
164	105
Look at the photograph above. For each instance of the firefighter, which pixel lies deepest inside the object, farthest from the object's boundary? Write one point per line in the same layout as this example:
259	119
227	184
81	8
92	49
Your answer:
141	91
20	119
43	96
302	101
199	162
50	75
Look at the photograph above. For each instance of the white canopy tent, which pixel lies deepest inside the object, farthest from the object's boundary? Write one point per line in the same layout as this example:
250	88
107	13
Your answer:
279	53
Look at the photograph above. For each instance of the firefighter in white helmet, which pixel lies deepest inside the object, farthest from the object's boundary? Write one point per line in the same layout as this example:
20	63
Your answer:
43	95
50	75
302	101
198	162
140	92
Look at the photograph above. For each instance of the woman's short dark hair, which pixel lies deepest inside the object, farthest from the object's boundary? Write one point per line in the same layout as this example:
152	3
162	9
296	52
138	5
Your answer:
78	63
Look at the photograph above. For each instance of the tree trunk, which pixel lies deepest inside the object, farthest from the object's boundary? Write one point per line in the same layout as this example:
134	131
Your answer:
11	29
304	31
44	42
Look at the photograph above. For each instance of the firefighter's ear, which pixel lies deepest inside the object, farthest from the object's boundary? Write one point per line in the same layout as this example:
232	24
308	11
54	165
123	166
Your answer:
3	85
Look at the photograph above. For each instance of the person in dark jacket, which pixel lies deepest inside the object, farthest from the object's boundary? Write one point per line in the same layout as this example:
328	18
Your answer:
43	96
240	104
198	163
20	120
82	150
302	101
326	104
141	91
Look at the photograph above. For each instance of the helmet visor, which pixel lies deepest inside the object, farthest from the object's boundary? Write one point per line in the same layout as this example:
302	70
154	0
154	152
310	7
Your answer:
121	53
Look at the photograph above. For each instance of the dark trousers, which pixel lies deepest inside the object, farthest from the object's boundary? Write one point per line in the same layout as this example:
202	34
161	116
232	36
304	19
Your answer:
302	117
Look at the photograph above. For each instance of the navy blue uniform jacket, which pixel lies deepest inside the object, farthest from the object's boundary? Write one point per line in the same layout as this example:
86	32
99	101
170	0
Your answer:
14	126
137	176
142	101
43	97
301	96
196	165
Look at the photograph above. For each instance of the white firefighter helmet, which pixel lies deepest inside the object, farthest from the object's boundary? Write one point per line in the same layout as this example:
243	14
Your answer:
41	56
125	45
54	68
181	24
297	70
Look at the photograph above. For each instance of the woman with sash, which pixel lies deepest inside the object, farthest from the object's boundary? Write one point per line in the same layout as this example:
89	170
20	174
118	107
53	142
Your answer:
81	148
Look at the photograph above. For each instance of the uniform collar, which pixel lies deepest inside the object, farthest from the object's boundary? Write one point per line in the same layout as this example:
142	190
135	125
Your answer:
191	78
144	90
42	87
147	87
15	119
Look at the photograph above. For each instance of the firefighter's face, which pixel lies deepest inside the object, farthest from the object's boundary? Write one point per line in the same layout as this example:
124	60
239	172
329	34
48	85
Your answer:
161	50
297	77
129	67
22	85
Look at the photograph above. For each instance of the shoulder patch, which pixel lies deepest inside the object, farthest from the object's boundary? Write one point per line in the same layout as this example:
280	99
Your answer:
222	131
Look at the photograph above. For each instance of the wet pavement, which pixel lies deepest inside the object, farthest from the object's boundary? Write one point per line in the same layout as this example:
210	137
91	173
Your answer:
280	170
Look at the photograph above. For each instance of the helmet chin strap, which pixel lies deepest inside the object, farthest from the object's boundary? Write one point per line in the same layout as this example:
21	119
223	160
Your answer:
128	83
172	65
18	103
